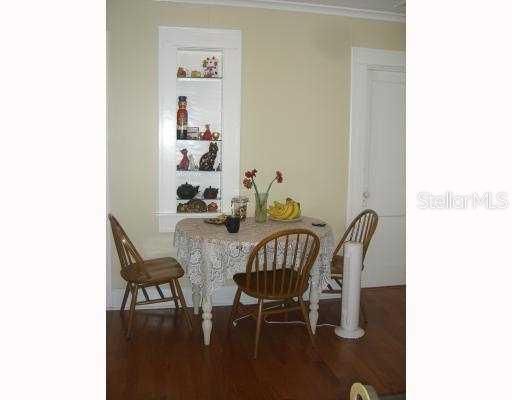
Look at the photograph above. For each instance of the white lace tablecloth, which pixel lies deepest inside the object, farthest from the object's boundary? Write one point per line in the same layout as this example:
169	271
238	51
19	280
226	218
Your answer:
211	255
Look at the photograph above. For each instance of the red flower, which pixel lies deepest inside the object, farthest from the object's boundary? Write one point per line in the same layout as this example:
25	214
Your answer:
247	183
250	174
279	177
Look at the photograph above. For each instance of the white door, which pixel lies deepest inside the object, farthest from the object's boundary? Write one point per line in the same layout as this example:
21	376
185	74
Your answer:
378	135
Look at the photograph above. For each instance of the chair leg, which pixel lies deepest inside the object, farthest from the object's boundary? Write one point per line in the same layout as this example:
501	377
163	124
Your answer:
125	297
258	328
183	303
363	312
175	297
135	290
339	282
234	308
306	320
286	304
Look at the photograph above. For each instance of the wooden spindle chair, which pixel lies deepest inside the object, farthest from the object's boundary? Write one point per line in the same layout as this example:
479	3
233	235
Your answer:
277	276
141	274
361	230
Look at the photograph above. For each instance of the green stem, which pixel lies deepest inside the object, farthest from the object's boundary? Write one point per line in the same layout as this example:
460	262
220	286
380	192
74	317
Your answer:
255	187
270	184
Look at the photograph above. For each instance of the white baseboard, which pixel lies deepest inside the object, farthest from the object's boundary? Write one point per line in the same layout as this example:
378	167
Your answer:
222	297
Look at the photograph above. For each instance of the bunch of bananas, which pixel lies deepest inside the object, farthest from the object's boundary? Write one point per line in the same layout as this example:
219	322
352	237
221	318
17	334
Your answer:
289	210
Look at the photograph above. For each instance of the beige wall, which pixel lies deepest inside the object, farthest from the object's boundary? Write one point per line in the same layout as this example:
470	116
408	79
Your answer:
295	104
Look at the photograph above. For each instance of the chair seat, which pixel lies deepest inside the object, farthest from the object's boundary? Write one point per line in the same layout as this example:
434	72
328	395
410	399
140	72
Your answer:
337	266
160	270
241	281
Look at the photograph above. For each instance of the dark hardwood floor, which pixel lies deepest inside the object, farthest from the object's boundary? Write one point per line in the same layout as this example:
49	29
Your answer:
164	361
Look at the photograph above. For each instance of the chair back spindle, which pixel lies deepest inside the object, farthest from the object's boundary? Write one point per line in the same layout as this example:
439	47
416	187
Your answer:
128	254
361	230
279	265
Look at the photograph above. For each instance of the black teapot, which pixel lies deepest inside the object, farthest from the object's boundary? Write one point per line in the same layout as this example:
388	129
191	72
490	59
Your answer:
187	191
210	193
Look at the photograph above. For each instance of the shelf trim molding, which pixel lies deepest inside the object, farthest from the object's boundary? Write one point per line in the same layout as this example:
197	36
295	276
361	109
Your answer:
199	79
302	7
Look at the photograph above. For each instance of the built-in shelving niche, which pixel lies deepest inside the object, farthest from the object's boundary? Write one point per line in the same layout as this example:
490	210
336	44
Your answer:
210	100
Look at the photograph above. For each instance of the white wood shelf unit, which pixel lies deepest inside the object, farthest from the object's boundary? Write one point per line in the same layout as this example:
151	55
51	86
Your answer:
216	101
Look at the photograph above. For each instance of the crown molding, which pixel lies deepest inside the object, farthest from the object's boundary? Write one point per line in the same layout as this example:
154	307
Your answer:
301	7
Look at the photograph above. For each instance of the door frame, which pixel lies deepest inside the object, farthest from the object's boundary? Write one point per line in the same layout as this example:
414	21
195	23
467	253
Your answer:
108	276
363	60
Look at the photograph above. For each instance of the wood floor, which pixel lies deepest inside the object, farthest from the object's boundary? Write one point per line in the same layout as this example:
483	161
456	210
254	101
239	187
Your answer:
166	362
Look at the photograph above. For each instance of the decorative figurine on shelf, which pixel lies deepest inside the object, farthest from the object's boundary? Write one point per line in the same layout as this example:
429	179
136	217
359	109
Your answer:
192	206
192	166
210	66
207	135
187	191
216	136
212	207
210	193
183	165
182	72
196	74
208	159
193	133
219	167
182	118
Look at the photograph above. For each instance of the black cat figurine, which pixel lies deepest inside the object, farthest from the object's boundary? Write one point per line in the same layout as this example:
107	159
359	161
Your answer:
208	159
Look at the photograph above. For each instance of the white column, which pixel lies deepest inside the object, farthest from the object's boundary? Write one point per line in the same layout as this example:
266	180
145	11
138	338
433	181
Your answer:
351	291
196	298
314	296
207	319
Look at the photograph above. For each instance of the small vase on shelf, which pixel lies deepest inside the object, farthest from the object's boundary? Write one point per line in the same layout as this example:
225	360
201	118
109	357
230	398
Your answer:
260	210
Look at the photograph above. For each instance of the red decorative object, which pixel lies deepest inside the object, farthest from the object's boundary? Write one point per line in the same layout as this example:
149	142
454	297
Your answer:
207	135
182	118
212	207
183	165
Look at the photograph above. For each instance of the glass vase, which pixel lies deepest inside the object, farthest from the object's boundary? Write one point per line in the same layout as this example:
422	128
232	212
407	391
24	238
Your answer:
260	210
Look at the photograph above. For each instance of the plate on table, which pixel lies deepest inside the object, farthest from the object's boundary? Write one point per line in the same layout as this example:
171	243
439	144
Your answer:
286	220
220	220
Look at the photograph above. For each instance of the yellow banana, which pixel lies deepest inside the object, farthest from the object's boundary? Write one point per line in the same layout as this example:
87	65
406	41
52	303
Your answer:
276	211
296	211
289	210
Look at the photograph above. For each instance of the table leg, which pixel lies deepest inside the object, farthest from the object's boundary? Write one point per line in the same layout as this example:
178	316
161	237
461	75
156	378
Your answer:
196	298
207	319
314	297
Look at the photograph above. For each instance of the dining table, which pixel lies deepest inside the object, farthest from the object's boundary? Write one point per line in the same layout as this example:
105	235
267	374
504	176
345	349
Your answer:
211	256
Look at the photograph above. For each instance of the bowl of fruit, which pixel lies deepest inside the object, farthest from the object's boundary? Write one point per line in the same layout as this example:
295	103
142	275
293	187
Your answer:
285	212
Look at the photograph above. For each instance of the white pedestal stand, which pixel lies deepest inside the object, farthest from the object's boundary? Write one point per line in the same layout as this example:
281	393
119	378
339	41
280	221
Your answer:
351	291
